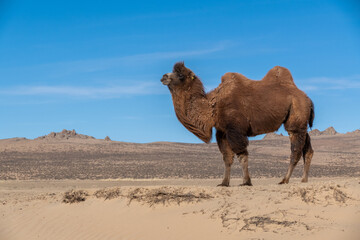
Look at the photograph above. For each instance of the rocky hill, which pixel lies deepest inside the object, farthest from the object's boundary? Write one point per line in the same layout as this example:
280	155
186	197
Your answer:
273	136
330	131
356	132
65	134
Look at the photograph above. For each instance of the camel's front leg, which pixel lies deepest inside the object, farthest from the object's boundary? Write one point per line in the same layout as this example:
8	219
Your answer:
228	156
243	158
228	160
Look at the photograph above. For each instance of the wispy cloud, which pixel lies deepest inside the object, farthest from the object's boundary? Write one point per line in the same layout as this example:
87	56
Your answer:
155	88
328	83
92	65
100	64
175	54
144	88
151	57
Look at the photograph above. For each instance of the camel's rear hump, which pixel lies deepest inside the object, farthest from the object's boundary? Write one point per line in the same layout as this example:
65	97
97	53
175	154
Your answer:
279	75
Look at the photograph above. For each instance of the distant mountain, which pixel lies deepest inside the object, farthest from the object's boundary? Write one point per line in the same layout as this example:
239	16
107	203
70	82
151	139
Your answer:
315	132
330	131
272	136
356	132
64	134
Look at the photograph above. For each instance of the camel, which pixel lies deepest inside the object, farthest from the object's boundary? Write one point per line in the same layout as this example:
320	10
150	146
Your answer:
239	108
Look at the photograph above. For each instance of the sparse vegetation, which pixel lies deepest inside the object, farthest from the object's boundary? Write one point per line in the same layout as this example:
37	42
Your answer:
74	196
256	222
316	195
108	193
166	195
162	195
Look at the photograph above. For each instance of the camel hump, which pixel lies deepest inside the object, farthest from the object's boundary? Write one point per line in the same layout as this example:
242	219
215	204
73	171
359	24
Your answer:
279	75
230	76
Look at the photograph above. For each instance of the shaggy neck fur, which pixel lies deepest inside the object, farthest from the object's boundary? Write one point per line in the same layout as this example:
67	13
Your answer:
193	110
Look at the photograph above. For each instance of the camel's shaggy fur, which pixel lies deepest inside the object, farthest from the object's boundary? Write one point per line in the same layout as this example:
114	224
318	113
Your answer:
240	107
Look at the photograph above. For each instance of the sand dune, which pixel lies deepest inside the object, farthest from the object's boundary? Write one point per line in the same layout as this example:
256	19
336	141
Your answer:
181	209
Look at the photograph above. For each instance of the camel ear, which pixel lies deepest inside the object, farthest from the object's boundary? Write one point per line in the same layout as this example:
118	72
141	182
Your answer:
179	68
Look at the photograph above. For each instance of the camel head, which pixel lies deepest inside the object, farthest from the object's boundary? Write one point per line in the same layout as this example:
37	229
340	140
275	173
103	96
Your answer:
180	77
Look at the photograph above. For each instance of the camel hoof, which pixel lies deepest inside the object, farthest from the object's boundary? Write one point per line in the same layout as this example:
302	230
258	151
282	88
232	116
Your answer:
284	182
304	180
223	185
246	184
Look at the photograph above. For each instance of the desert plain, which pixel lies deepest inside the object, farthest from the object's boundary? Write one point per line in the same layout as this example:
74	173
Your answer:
71	186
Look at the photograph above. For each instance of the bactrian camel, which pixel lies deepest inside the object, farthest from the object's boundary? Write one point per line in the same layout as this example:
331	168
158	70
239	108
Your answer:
240	107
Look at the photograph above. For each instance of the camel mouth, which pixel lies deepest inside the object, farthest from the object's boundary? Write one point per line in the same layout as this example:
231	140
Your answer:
165	79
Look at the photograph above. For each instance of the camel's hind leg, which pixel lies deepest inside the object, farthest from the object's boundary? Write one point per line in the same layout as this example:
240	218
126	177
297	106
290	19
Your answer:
307	156
297	140
228	156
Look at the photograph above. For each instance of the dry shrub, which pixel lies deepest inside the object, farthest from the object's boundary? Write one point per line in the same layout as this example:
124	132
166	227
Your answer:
166	195
74	196
321	194
162	195
252	223
108	193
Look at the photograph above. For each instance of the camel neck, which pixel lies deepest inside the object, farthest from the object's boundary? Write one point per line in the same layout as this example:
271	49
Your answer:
194	112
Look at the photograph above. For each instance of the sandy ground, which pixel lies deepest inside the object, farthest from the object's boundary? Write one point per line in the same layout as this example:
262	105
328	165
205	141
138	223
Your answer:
76	187
324	208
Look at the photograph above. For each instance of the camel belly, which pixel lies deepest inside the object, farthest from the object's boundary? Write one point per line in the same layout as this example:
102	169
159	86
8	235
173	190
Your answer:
264	119
263	125
254	117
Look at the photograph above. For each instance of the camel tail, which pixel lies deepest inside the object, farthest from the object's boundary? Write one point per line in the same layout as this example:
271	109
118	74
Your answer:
312	115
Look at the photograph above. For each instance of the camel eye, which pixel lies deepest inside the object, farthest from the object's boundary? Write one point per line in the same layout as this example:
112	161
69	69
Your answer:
181	77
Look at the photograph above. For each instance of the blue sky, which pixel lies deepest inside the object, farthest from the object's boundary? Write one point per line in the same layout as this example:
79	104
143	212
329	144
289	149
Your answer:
95	66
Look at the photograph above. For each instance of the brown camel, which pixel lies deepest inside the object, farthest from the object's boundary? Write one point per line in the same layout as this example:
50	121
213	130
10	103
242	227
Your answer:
240	107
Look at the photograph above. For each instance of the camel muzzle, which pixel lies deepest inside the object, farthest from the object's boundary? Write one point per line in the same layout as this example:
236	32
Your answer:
165	79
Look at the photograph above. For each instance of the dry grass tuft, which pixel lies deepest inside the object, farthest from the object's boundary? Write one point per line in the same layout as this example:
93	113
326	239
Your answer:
74	196
108	193
321	194
151	196
252	223
166	195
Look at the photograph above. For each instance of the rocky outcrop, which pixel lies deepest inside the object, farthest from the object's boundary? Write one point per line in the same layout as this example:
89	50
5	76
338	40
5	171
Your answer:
355	133
272	136
107	138
315	132
65	134
330	131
